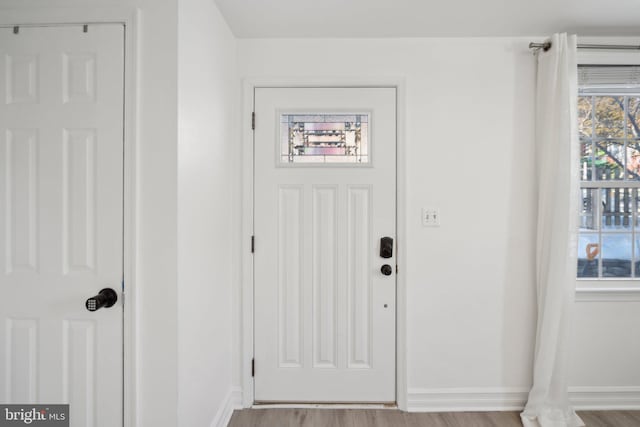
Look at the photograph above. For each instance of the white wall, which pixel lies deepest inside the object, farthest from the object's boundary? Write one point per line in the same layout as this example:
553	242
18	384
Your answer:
207	96
469	127
156	253
607	348
156	188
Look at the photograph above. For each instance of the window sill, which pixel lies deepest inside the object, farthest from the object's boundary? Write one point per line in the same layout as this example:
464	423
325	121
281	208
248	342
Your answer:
617	294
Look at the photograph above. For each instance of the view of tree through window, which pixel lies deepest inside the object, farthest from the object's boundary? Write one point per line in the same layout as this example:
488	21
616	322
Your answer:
609	126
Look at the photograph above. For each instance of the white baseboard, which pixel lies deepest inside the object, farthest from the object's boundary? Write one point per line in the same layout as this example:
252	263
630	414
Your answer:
605	398
232	401
514	399
378	406
466	399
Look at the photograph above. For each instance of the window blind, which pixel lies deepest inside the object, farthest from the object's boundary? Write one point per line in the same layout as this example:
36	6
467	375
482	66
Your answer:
615	79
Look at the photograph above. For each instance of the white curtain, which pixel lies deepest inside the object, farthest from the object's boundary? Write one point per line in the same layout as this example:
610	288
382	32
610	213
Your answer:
558	203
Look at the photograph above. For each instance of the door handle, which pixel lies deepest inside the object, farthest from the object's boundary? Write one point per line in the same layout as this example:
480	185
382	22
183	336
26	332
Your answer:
107	297
386	270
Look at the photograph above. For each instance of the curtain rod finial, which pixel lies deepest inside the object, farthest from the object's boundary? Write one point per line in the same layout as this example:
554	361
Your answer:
544	46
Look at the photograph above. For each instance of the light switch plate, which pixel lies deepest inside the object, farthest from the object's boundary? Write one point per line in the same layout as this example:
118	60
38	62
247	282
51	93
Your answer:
430	217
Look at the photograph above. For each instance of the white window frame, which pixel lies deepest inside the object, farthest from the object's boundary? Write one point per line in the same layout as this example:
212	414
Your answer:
609	289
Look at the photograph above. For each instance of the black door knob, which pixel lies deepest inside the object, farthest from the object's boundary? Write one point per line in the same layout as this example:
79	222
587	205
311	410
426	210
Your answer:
386	270
105	298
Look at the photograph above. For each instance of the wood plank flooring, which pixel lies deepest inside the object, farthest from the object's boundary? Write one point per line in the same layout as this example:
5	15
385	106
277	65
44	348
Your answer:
393	418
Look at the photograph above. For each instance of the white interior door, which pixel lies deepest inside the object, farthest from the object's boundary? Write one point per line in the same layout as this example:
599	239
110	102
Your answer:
61	177
325	195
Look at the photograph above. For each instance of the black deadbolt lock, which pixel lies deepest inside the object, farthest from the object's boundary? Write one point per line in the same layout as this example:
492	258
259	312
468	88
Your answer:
105	298
386	247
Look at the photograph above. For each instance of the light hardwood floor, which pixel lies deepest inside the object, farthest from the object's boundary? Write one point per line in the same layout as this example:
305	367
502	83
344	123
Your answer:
393	418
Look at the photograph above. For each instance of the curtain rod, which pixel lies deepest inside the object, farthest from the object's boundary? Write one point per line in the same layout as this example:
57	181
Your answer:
547	45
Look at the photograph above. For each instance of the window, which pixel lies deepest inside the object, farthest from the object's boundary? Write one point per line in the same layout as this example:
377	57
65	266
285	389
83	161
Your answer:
609	127
324	138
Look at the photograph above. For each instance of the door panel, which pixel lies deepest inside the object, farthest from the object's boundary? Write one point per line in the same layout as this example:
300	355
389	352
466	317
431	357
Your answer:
324	196
61	130
325	274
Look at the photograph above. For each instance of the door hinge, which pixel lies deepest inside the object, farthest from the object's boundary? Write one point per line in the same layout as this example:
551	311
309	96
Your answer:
396	268
253	121
253	367
253	244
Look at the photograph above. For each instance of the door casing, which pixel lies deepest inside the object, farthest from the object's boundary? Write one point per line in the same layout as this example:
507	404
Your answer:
246	302
129	18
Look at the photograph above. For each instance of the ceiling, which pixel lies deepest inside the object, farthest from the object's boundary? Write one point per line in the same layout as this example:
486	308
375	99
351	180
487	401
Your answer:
429	18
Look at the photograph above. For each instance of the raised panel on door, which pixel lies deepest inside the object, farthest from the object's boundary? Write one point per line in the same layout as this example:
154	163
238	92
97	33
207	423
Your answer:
324	261
79	199
21	78
324	196
21	200
290	268
61	128
359	310
21	348
79	370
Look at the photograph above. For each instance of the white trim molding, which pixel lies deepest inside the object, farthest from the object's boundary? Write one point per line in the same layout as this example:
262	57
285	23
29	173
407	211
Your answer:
514	399
231	402
466	399
376	406
607	294
605	398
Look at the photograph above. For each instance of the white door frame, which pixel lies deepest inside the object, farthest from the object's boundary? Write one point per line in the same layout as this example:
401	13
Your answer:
129	17
247	303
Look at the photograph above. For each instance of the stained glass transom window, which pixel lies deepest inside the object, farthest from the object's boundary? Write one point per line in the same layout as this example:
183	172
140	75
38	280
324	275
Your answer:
324	138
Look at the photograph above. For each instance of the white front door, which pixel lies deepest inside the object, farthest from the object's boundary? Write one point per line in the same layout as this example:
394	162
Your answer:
61	228
325	286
